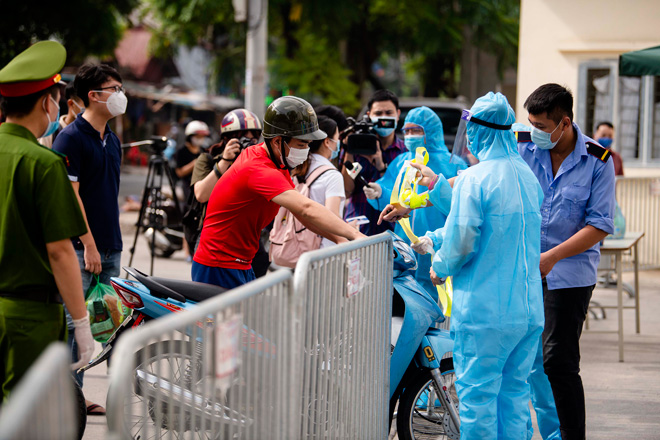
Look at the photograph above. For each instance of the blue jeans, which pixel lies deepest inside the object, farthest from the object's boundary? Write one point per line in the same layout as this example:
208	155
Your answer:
110	267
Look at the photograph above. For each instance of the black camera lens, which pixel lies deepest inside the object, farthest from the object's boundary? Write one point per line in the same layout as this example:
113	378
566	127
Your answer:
246	142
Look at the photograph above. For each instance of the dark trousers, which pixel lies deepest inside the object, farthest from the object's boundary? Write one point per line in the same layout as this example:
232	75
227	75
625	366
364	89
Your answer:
565	312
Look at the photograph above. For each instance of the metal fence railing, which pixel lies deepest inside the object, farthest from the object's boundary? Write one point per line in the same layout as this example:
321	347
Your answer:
639	199
43	405
218	370
280	358
341	314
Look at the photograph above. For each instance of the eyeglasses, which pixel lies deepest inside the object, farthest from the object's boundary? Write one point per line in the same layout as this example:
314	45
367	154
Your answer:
414	130
116	89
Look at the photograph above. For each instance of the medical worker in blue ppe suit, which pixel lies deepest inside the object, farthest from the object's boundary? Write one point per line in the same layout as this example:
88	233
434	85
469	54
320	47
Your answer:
541	392
422	128
491	245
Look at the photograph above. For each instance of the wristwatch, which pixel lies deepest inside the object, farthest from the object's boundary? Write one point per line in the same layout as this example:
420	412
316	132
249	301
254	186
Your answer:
216	170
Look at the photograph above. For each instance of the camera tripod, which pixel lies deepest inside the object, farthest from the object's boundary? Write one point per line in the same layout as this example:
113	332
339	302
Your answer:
153	215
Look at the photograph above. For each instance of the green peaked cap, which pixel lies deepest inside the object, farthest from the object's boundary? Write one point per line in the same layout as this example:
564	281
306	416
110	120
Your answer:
33	70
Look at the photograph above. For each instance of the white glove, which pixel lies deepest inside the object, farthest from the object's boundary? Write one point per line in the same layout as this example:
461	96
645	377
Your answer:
373	191
85	341
423	246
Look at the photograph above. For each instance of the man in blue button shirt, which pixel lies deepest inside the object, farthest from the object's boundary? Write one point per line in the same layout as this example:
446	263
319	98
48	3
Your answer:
577	179
94	159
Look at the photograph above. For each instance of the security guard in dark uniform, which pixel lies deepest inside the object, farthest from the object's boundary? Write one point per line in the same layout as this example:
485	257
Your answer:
39	214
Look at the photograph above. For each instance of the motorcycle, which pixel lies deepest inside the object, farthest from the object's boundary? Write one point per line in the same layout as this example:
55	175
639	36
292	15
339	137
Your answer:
151	298
422	394
422	390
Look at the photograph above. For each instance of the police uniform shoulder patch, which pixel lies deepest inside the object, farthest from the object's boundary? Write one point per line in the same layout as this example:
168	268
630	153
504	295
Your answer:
523	136
63	156
601	153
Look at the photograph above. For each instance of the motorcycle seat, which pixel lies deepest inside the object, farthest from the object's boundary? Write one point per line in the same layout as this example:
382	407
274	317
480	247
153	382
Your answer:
192	290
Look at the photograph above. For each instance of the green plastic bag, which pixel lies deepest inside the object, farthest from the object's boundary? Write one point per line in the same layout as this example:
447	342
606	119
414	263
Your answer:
106	312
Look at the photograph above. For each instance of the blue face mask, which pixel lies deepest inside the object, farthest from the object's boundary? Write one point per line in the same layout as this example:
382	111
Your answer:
52	125
380	131
414	141
543	139
606	142
335	152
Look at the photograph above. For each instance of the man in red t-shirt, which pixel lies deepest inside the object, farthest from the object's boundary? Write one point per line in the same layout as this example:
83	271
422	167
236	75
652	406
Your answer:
248	196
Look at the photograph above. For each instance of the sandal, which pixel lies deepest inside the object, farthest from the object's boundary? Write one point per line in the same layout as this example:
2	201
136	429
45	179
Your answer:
94	409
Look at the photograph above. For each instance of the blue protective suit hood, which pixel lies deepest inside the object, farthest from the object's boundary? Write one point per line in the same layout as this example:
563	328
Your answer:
491	245
520	127
422	220
429	120
489	143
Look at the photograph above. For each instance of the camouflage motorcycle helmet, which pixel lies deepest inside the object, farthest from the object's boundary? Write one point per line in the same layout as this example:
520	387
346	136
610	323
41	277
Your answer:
290	116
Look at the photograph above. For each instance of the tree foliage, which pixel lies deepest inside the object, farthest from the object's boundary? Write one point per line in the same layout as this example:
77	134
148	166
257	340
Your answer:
432	34
324	51
207	23
84	27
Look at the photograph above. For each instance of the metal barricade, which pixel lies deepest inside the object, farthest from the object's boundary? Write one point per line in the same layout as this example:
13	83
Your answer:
341	318
639	199
43	405
218	370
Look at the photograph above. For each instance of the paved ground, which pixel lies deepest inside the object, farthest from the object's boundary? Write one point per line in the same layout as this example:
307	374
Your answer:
623	399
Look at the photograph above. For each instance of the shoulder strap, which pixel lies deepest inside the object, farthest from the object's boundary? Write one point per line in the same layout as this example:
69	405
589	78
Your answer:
62	156
523	136
601	153
317	173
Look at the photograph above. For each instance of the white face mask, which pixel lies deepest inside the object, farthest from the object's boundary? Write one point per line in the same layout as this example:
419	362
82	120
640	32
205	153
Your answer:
116	103
80	109
296	156
198	142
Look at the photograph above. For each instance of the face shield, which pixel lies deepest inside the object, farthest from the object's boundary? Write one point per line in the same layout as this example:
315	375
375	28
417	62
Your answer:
462	146
460	152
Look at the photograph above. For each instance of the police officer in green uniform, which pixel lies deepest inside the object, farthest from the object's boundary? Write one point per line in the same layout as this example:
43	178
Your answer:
39	214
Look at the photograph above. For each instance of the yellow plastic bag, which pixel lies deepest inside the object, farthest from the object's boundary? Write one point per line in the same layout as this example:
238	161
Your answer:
405	194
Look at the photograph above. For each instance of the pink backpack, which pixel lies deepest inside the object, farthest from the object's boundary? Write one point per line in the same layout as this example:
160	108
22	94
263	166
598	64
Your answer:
289	238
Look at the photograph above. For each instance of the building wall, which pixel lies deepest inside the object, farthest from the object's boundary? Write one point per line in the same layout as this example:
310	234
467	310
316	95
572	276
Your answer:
557	35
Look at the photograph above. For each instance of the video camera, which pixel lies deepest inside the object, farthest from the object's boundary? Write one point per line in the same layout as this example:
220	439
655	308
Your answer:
361	137
156	145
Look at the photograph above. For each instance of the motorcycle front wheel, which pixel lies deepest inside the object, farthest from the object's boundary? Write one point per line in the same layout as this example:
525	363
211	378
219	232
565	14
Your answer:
164	367
420	415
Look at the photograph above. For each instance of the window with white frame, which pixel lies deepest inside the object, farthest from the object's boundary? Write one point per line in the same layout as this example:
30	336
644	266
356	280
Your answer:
631	103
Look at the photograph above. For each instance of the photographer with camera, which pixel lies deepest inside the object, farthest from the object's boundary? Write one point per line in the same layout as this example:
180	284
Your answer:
239	129
253	189
383	112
